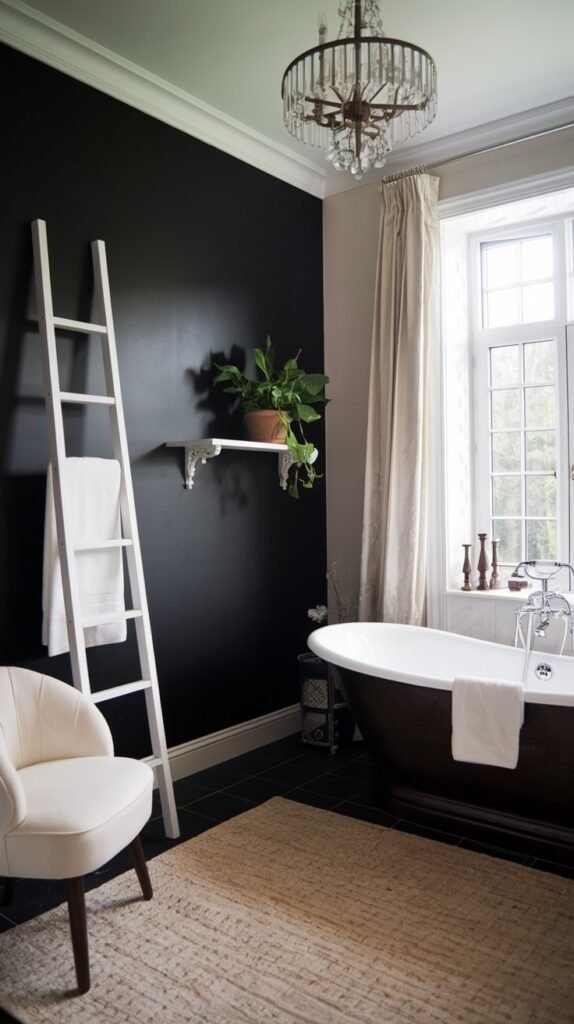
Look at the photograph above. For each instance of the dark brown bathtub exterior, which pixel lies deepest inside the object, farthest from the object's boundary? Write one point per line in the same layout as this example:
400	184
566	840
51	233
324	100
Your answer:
407	728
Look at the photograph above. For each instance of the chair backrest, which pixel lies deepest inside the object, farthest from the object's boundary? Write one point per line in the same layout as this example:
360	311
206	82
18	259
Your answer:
42	719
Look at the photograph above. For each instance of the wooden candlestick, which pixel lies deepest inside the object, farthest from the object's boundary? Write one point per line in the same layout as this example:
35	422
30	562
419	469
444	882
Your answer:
467	567
482	563
495	578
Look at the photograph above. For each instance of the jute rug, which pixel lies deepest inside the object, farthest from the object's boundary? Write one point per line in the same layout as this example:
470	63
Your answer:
293	915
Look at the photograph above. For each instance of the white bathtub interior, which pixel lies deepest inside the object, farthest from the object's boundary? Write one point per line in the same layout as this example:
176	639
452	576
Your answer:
431	657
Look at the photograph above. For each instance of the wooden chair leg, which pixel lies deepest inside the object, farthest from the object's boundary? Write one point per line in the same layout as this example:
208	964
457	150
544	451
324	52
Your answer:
79	930
138	857
8	891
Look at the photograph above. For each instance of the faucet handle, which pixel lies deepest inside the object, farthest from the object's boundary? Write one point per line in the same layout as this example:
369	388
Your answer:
540	570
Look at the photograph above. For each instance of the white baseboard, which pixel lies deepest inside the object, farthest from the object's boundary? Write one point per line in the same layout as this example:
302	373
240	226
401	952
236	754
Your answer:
194	756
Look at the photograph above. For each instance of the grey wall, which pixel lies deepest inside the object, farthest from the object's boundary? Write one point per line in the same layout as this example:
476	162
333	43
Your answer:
206	256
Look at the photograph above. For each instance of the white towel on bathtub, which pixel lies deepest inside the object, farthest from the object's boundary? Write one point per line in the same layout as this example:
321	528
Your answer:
93	493
487	716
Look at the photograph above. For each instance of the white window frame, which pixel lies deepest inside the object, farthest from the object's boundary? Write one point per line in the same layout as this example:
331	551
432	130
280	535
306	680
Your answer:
440	583
486	338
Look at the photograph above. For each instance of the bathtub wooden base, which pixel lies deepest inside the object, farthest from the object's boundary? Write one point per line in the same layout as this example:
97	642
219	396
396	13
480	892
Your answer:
407	728
506	831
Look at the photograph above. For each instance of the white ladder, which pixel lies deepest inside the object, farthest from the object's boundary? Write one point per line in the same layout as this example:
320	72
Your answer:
55	398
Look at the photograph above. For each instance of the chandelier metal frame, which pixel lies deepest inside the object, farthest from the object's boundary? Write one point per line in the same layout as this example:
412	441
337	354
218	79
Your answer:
359	95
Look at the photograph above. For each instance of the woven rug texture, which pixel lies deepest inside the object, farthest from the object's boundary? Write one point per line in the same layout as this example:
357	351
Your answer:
292	915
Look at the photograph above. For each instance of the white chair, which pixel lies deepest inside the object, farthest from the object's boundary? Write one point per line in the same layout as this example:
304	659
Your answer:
67	805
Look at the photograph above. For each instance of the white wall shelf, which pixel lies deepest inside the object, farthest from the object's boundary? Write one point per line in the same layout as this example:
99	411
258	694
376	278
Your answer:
208	447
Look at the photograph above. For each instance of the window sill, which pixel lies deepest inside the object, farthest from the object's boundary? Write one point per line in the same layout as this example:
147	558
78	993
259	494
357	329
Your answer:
504	594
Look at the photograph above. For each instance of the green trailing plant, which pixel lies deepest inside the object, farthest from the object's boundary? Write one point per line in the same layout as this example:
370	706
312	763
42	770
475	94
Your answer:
292	393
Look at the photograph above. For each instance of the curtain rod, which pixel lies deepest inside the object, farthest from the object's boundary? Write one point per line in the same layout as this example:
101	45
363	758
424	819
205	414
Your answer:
423	168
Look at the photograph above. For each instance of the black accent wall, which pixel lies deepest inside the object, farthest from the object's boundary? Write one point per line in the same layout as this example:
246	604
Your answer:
207	256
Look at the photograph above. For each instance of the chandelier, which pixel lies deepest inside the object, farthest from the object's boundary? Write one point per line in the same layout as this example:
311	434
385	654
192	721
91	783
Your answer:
361	95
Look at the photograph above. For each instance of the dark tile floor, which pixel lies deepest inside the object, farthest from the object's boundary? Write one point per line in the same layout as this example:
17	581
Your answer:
341	782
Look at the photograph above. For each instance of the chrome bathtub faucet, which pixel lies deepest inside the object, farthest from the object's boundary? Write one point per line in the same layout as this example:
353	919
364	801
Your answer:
542	605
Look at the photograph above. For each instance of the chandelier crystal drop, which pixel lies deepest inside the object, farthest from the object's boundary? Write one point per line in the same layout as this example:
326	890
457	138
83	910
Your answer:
361	95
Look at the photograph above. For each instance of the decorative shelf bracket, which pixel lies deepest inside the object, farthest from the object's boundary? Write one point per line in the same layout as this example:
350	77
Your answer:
286	460
209	447
200	452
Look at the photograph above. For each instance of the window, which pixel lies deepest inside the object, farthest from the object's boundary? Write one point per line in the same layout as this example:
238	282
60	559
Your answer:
518	283
503	449
523	429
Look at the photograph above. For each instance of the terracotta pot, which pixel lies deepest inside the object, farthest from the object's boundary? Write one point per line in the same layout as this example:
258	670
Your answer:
265	425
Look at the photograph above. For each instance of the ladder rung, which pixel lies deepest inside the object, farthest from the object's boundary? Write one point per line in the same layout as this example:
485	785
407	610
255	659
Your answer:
155	762
120	691
79	325
102	545
80	399
102	620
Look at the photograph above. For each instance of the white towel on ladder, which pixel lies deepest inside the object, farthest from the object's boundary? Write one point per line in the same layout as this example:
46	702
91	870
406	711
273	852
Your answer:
487	716
92	488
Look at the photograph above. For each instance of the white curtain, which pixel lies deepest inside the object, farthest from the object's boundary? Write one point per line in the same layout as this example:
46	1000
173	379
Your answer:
394	544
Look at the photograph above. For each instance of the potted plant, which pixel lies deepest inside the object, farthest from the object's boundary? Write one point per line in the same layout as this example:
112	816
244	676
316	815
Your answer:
285	395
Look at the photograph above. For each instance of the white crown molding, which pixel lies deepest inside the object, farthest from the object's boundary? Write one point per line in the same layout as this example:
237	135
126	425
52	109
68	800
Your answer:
494	133
53	43
460	144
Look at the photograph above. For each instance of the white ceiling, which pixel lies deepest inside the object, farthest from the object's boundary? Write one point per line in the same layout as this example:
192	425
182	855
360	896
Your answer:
497	62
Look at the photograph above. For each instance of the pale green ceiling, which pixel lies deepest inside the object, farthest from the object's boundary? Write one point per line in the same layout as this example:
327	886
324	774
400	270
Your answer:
495	59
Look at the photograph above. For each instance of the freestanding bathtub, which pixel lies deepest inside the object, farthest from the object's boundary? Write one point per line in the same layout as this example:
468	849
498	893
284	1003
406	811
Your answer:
398	682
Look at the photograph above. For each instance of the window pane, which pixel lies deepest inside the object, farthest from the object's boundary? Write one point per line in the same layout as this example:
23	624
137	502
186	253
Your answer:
506	496
502	307
541	451
506	409
540	407
540	496
539	364
508	533
505	366
501	264
506	452
537	258
537	302
540	538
